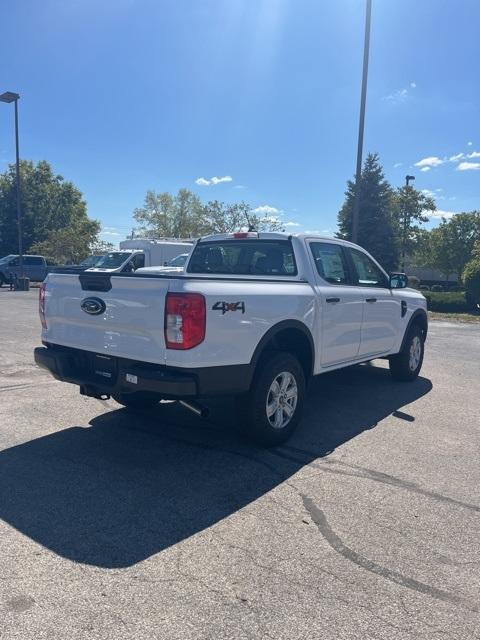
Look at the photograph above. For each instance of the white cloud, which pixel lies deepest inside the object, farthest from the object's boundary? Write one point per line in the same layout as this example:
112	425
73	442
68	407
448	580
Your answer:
430	161
401	94
291	224
425	169
469	143
266	210
397	96
439	189
468	166
110	231
203	182
456	158
239	186
439	213
474	154
216	180
428	193
397	164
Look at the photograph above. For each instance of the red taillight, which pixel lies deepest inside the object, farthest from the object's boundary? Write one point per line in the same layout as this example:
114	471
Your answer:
41	304
185	318
245	234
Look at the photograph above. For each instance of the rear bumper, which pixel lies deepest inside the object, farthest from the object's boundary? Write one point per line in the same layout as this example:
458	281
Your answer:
99	375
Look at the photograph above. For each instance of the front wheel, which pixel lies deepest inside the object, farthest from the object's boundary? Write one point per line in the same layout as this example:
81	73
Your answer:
406	365
273	407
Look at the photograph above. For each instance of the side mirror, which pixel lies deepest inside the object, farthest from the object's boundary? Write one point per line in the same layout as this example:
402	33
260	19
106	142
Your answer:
398	281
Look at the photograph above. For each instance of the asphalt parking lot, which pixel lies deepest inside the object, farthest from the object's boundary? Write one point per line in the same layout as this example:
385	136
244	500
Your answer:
365	525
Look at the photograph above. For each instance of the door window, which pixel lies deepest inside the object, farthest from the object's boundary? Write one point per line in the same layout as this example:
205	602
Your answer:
367	272
30	260
138	261
330	262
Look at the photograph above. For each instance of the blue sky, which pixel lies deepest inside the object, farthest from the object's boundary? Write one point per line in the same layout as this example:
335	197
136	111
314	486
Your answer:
122	96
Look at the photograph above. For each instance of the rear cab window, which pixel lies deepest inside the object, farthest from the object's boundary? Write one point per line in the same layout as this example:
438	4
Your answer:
244	257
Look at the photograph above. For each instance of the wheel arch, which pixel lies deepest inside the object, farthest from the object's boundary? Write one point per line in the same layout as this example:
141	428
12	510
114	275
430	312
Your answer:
419	318
292	336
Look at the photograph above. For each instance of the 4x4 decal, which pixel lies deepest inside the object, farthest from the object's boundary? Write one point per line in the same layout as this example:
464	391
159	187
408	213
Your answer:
228	306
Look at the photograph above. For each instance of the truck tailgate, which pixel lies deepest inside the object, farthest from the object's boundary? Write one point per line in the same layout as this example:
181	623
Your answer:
130	323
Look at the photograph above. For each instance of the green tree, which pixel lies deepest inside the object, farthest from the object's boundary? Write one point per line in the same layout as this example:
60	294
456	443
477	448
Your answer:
184	216
450	246
410	208
98	247
171	216
471	277
378	229
49	204
69	245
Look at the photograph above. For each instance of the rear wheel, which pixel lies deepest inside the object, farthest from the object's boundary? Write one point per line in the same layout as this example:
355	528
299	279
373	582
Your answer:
2	280
273	407
406	365
136	400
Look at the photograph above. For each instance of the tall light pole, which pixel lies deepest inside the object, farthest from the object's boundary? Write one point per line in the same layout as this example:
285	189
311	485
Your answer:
408	179
361	125
9	97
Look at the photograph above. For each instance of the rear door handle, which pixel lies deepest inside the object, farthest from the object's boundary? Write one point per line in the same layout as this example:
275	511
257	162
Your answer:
370	299
332	299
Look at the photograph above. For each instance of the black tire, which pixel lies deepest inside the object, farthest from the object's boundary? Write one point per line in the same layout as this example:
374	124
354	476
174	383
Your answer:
2	280
281	367
405	366
136	401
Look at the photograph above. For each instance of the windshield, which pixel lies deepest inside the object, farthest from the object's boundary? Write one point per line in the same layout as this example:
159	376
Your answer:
113	259
7	258
239	257
91	261
179	261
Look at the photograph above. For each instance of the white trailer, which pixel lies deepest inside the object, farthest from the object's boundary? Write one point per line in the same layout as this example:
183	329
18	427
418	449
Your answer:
141	252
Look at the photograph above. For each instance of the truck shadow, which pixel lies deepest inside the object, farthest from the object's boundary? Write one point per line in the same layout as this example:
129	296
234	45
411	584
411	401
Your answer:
128	486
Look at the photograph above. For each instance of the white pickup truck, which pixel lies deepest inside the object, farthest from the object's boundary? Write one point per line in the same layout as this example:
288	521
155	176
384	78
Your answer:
253	315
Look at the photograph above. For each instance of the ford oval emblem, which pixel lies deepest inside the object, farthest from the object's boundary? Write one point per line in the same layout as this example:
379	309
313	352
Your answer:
93	306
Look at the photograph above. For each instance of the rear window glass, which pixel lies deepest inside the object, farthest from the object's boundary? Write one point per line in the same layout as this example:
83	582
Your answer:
244	257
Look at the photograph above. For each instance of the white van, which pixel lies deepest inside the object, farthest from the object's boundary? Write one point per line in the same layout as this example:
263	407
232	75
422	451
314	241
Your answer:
134	254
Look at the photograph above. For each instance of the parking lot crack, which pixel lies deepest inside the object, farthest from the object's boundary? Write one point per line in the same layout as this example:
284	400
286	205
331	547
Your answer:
320	520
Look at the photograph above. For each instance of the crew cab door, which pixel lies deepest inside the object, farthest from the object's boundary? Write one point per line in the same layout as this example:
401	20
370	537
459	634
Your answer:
341	305
382	312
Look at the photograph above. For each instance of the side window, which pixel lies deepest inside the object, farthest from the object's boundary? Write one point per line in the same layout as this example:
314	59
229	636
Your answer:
138	261
14	263
29	260
330	262
368	274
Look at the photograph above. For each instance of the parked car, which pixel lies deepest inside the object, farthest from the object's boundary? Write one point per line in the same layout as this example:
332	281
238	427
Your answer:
175	265
254	315
34	267
90	261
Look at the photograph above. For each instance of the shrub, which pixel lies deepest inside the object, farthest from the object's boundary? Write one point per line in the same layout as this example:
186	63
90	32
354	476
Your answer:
437	287
424	287
447	301
471	279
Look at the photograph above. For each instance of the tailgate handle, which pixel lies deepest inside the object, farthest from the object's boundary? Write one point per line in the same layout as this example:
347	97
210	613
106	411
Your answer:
332	300
370	299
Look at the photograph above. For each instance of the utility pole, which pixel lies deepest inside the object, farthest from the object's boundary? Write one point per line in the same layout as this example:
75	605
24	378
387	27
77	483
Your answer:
9	97
361	125
408	179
